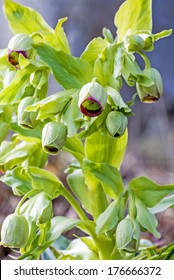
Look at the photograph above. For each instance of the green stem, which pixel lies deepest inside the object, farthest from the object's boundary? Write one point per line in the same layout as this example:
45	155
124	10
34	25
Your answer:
30	193
96	194
146	60
74	204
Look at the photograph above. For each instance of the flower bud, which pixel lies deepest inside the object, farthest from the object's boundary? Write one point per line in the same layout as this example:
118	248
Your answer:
26	119
116	123
128	235
39	78
92	99
19	44
135	43
153	92
53	137
15	231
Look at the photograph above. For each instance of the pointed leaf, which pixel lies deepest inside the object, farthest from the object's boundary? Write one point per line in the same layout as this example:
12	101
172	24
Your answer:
18	179
133	16
23	19
108	175
76	182
59	225
93	49
148	191
110	217
146	219
164	204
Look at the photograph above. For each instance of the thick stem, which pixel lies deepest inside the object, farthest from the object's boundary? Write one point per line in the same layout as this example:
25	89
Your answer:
97	196
74	204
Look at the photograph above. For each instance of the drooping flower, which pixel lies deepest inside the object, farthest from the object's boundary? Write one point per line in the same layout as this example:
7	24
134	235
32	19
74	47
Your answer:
15	231
116	123
92	99
53	137
149	94
19	44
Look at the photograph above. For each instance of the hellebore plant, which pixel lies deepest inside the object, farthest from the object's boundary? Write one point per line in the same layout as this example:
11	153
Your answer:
88	119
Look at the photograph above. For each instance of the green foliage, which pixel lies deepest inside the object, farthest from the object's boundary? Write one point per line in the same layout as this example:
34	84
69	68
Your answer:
88	119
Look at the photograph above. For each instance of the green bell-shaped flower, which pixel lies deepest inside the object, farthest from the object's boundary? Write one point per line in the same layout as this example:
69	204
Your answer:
14	231
19	44
116	123
27	119
151	93
53	137
92	99
128	235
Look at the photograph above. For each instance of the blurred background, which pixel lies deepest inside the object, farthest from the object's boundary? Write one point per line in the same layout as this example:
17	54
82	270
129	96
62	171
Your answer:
151	130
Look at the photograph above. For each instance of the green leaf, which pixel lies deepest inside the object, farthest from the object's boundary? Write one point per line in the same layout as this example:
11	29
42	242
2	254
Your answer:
5	113
110	217
61	42
75	147
94	124
133	16
18	179
164	204
108	175
109	64
17	89
79	250
51	105
4	129
148	191
162	34
70	72
46	181
59	225
15	154
38	208
24	19
34	133
100	147
67	118
115	100
93	49
76	182
146	219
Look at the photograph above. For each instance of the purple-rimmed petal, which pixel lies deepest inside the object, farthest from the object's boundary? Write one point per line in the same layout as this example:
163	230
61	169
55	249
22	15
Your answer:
91	107
13	56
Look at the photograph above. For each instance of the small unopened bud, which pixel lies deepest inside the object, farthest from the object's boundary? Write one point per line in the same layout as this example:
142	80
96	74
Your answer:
19	44
92	99
128	235
53	137
135	43
15	231
116	123
27	119
153	92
